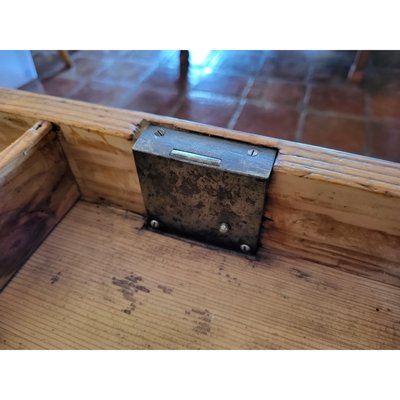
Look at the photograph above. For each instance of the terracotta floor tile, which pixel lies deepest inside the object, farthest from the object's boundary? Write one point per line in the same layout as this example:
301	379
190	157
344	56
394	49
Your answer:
123	71
285	68
238	62
345	99
153	101
34	86
386	140
151	57
207	110
335	132
235	54
338	57
103	93
61	87
56	86
377	81
167	78
297	55
275	122
103	54
316	56
385	105
86	68
222	84
277	92
330	71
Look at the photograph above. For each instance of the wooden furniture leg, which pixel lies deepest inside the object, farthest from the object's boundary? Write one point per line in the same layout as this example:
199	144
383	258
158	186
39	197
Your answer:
66	58
356	72
183	63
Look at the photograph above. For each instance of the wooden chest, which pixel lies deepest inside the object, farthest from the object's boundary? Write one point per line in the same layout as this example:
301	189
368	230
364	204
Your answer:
78	270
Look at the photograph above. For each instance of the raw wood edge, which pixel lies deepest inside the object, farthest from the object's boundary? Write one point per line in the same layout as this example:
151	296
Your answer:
37	189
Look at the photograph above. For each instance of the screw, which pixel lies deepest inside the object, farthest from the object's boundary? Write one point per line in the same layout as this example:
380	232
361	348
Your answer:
159	132
154	224
252	152
224	228
245	248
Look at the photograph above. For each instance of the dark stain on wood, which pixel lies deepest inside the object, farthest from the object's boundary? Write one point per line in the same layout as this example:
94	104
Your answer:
55	278
199	311
301	274
35	195
129	286
203	328
130	283
165	289
130	308
201	319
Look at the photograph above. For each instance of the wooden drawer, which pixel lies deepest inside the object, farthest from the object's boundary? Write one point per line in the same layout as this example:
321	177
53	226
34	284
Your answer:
78	269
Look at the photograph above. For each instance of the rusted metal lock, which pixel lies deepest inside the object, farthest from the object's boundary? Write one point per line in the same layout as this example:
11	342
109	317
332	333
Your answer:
205	188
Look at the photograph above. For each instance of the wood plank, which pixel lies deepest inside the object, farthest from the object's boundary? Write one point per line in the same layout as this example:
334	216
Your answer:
100	281
340	227
103	166
37	188
336	208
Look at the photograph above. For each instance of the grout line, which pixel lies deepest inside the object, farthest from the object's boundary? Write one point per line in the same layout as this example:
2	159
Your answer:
243	98
304	105
178	103
236	114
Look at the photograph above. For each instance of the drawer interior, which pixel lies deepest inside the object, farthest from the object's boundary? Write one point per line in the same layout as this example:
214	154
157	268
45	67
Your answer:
100	281
78	269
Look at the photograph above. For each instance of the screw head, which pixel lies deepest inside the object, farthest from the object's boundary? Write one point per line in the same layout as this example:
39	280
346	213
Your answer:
154	224
252	152
224	228
159	132
245	248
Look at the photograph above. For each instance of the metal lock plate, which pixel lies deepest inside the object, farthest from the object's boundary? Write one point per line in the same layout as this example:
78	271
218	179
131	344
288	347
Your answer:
205	188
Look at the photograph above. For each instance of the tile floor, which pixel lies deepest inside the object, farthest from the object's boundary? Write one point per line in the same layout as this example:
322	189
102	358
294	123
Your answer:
300	95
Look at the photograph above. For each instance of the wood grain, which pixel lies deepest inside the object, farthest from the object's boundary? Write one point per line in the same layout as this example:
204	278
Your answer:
341	227
11	128
103	166
340	209
100	281
66	58
37	188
